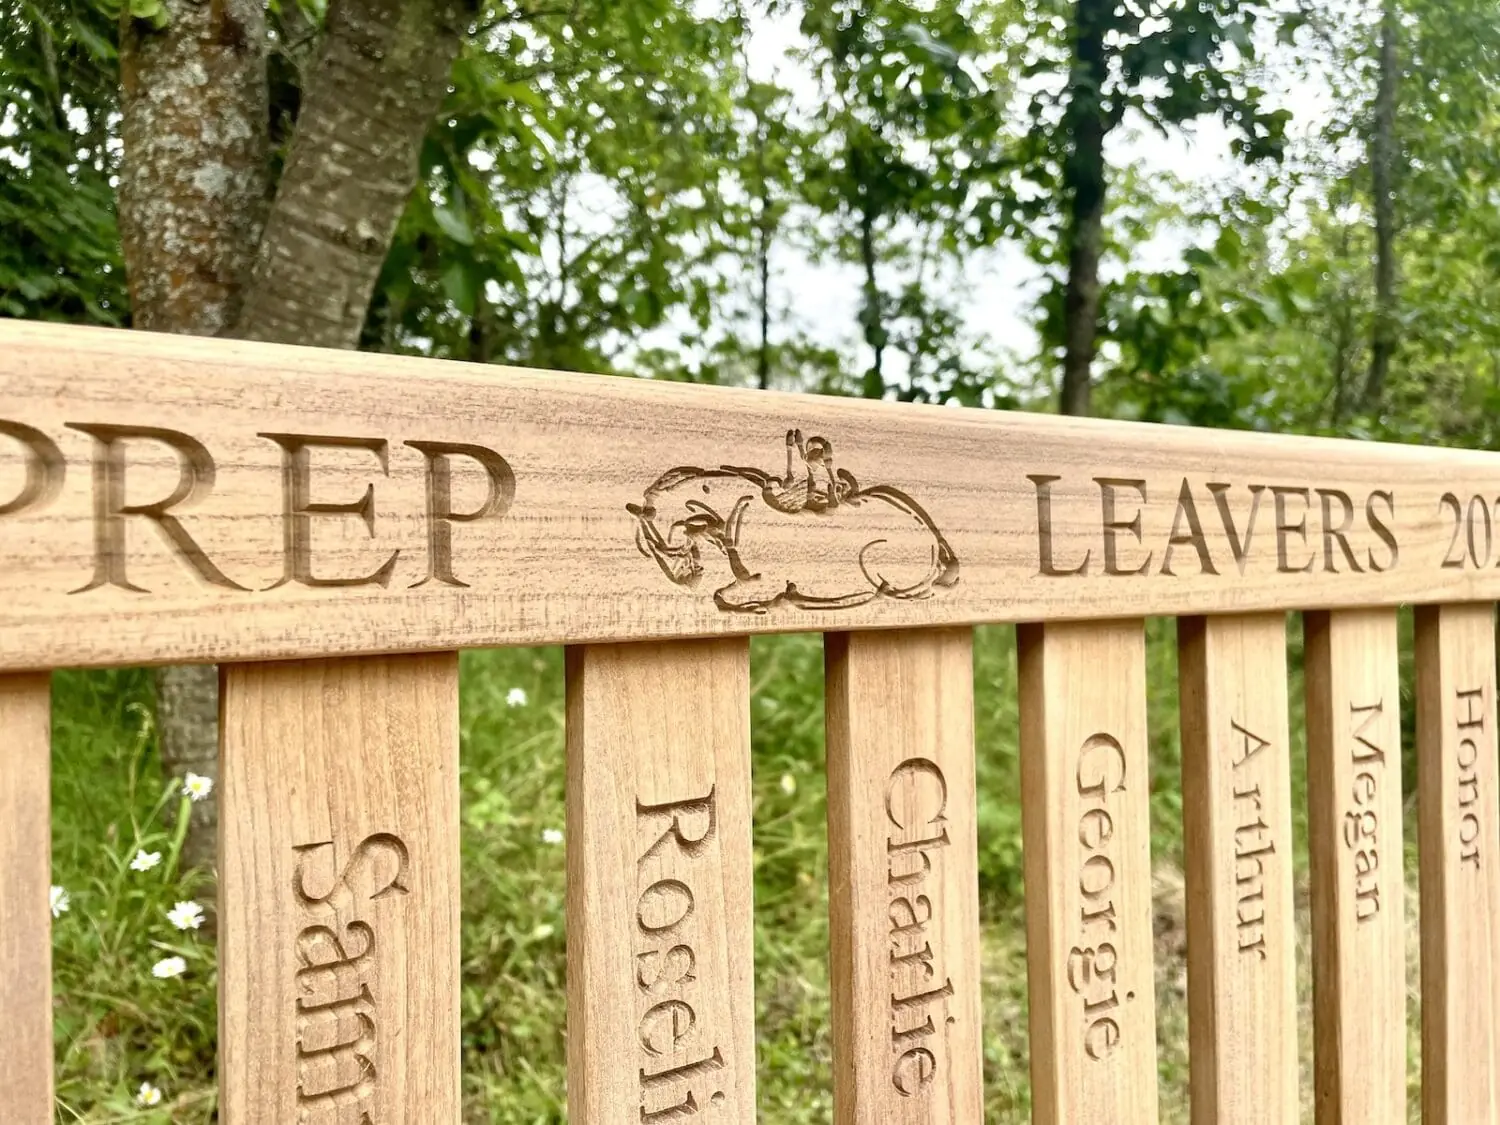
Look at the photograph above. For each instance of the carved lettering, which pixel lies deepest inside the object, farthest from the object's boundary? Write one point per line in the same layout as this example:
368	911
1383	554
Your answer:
336	1011
1187	531
680	1064
299	508
1044	531
45	468
1362	820
195	479
1093	962
916	803
441	515
1253	844
1471	708
1113	525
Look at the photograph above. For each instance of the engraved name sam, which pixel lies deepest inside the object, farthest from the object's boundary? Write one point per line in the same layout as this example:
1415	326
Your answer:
1094	962
682	1069
336	980
303	500
1362	827
1221	527
916	803
1254	846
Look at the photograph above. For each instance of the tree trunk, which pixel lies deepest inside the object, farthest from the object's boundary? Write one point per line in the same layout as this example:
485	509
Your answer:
763	253
1087	124
193	188
381	75
192	194
1383	169
872	316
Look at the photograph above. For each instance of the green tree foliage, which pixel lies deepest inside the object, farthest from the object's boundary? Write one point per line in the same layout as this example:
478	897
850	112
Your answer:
60	255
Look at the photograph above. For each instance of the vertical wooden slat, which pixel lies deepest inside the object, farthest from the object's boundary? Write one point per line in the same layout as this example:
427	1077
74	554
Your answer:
1237	828
1354	826
1085	807
904	885
1459	837
661	1019
25	877
338	831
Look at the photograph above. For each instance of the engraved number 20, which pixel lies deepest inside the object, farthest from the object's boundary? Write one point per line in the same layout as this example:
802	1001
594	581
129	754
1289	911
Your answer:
1473	528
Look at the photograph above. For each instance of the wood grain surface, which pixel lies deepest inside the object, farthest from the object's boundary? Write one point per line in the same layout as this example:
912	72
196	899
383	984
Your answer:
1237	842
339	892
167	498
1085	813
903	879
1459	844
25	911
1354	828
661	1014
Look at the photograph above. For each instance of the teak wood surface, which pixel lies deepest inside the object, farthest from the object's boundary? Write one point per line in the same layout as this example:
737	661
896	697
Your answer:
1085	817
1458	836
167	498
903	879
1354	829
661	1010
339	885
25	910
1237	842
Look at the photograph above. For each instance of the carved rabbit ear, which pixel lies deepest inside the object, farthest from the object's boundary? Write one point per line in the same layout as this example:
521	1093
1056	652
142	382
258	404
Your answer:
819	446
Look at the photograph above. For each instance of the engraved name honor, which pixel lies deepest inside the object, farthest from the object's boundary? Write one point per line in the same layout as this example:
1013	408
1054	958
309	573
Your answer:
1093	963
916	800
336	981
1470	709
681	1065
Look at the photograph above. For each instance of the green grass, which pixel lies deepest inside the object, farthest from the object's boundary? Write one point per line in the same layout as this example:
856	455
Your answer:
118	1026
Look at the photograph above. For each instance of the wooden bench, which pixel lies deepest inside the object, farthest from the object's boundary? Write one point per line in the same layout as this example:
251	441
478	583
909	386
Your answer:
331	527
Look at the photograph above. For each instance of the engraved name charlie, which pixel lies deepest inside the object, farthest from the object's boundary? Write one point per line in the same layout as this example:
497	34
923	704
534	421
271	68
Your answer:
916	803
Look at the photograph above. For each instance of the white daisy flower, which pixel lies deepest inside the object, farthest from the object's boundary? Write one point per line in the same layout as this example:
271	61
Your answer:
516	697
788	784
147	1095
186	915
144	860
552	836
60	902
169	967
196	786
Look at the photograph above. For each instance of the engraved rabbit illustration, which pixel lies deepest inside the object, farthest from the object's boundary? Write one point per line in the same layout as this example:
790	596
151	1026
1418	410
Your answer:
690	517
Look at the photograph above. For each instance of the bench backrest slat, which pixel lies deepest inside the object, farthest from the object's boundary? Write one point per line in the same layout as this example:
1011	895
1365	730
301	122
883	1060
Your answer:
339	891
1237	851
1354	842
1085	812
25	877
661	1016
903	878
1458	832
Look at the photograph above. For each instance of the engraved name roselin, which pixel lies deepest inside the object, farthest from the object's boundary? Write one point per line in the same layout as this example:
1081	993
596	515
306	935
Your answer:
916	801
45	470
1308	529
682	1067
337	1082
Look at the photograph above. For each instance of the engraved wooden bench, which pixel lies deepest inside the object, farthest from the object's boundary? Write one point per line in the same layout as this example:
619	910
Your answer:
332	527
